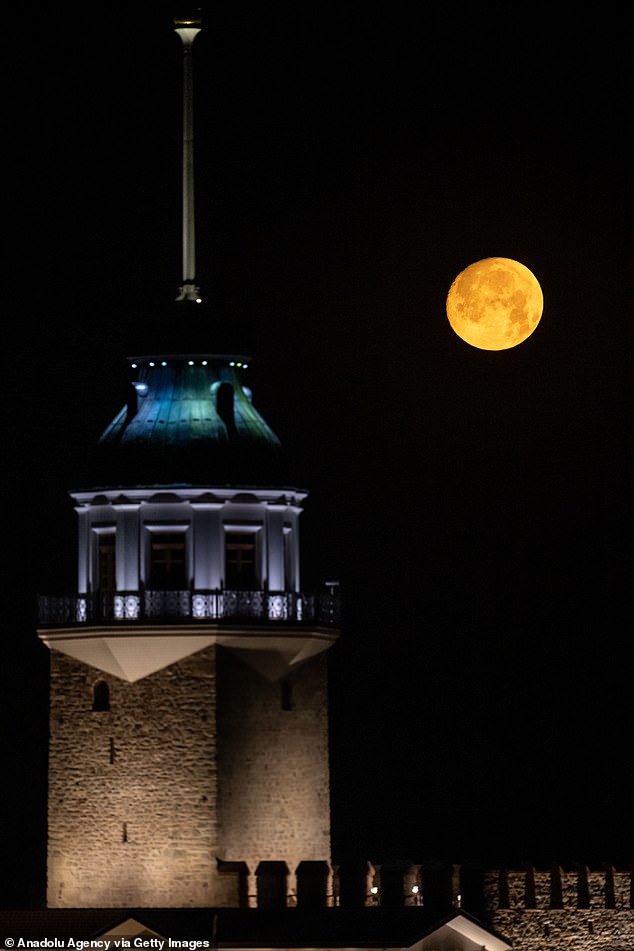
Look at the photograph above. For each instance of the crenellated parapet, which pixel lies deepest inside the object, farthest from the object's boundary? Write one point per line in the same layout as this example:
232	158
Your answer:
581	908
557	888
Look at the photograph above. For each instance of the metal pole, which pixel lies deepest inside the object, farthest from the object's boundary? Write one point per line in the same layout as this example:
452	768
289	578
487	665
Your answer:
188	29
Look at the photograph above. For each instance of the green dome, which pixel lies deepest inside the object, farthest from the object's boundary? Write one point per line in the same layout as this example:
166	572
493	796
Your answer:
190	421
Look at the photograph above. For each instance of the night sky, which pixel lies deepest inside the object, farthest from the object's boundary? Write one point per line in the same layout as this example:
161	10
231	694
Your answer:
350	162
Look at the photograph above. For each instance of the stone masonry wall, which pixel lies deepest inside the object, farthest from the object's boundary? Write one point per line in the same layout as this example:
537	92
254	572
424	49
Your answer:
274	791
132	789
606	924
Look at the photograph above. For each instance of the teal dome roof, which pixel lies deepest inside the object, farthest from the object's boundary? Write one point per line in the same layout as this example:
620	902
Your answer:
190	420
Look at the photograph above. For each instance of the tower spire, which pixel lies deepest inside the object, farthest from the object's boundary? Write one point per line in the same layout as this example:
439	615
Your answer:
188	28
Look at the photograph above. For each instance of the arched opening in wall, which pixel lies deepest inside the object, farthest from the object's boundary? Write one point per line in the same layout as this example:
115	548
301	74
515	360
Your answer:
100	696
271	884
312	884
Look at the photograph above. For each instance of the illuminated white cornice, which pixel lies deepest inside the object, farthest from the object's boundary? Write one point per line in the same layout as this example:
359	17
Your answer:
120	498
132	652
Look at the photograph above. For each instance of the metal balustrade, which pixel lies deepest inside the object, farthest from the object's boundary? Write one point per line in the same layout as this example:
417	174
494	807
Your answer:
218	605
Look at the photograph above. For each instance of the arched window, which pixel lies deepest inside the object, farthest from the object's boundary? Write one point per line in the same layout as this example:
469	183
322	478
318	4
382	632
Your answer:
100	696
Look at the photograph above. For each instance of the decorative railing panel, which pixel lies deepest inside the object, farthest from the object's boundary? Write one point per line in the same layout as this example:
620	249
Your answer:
222	605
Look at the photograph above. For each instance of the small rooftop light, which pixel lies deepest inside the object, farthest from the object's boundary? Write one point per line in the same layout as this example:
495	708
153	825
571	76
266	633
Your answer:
151	363
204	363
163	363
232	363
415	889
245	365
374	890
134	366
141	388
191	363
199	300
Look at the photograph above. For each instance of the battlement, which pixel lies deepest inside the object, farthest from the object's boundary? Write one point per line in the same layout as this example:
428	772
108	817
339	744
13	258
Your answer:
452	886
581	908
558	889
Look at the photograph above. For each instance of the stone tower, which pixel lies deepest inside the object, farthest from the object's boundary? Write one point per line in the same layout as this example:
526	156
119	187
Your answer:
188	751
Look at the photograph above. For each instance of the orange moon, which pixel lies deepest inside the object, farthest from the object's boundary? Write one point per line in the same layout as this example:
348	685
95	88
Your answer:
495	304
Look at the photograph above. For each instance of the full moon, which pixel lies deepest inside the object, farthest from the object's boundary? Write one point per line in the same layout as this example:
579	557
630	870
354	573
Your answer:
495	304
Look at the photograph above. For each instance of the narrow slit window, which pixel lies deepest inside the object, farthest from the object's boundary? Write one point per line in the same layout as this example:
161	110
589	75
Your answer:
100	696
287	695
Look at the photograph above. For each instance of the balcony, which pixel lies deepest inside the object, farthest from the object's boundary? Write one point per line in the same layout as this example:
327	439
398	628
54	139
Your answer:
221	605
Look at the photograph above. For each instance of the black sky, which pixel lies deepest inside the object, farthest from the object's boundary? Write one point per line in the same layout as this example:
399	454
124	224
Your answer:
350	162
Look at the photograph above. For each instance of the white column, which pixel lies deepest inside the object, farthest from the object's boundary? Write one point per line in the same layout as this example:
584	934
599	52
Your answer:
127	551
83	549
275	547
208	545
292	542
